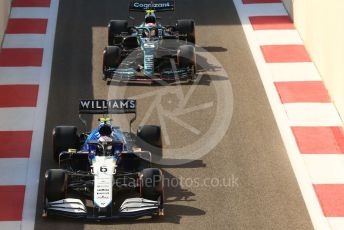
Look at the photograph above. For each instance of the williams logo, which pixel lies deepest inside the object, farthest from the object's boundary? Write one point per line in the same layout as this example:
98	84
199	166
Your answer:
107	107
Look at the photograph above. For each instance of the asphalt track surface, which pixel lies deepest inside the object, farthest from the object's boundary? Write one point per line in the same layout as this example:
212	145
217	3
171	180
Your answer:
263	194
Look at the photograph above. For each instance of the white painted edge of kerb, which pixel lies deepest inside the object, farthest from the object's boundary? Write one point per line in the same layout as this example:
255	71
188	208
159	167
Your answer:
33	173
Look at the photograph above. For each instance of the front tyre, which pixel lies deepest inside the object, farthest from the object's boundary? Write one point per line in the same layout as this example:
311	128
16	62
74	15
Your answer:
152	186
55	184
186	58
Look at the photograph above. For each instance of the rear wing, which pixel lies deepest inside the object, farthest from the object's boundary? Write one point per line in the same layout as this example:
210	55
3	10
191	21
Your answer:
158	6
121	106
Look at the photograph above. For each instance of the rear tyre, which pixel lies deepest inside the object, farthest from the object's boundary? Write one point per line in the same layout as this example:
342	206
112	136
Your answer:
55	184
187	27
115	28
64	138
111	60
150	139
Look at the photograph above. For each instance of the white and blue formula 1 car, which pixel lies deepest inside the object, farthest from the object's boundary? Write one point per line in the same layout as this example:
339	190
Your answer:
104	174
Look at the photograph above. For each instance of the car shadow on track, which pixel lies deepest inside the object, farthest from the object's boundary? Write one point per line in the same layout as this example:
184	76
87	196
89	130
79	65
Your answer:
213	49
182	163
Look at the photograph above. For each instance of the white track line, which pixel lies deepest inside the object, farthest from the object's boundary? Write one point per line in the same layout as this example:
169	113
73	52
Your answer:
301	174
14	119
336	223
312	114
22	75
12	225
278	37
325	168
29	12
276	9
294	72
13	171
33	173
23	41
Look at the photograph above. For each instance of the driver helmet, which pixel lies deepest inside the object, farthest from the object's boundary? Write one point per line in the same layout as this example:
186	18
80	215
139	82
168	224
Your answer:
152	30
105	130
150	23
150	18
105	127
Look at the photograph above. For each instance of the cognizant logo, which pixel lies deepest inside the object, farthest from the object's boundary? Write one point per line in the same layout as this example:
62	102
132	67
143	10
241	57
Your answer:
151	5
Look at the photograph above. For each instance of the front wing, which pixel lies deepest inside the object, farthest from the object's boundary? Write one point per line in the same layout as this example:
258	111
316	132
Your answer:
75	208
130	74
